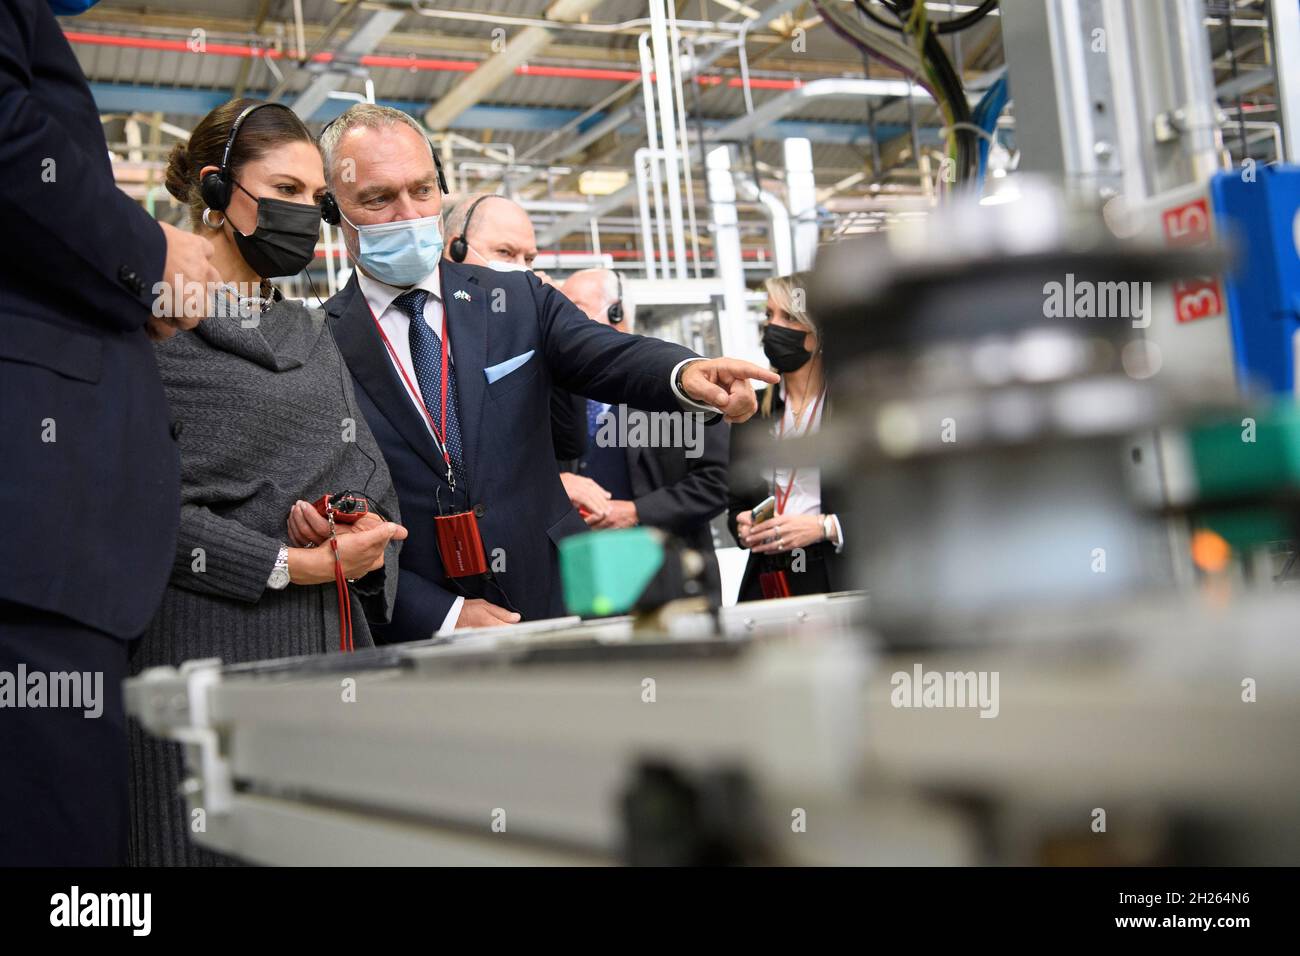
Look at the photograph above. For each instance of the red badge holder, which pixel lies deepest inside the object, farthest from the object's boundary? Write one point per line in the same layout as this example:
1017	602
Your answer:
774	584
460	545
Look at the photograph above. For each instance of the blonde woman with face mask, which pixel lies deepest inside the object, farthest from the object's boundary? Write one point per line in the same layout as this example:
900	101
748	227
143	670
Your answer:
778	512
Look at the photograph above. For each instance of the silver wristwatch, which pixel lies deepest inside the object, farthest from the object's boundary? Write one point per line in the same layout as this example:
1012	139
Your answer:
279	579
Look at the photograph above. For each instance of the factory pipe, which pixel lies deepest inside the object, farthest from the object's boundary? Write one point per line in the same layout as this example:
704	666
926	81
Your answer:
643	156
652	143
741	129
409	63
664	68
778	220
801	196
737	333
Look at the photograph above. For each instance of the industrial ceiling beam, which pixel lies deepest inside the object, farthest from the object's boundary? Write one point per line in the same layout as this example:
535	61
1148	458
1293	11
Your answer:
237	29
1245	83
363	40
246	68
500	67
318	45
630	111
743	127
131	98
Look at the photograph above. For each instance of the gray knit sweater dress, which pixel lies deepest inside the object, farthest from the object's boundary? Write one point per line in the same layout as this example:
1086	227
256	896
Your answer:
264	416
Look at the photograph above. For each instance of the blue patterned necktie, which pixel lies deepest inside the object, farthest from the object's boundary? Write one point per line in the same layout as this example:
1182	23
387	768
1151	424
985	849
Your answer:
426	356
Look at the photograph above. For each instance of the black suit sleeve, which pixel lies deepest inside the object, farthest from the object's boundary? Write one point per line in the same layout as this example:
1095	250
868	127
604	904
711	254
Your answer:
599	362
58	194
699	495
568	425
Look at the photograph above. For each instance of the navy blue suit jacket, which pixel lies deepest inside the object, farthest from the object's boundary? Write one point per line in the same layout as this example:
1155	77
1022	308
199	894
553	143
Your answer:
513	484
89	463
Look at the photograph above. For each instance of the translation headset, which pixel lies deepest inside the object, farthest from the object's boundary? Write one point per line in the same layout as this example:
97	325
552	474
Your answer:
459	247
329	206
615	312
215	188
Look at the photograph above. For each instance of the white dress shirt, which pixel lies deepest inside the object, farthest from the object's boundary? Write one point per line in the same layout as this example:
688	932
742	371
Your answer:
806	494
397	326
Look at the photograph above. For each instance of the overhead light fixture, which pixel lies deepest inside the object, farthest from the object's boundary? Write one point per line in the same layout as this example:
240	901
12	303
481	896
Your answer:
601	182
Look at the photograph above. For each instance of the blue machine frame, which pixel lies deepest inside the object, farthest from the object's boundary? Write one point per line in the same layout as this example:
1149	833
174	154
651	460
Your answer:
1258	212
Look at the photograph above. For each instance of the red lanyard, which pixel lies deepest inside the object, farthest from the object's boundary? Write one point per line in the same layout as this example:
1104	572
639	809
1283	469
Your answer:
439	439
783	496
341	589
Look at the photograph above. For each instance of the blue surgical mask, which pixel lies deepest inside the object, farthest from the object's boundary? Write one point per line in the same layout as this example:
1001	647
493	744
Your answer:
70	8
400	253
501	265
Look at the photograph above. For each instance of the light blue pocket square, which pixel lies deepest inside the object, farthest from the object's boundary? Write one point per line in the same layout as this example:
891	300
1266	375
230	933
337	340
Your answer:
502	369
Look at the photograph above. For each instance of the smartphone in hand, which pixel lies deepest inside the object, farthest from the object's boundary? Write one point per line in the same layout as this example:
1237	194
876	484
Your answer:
765	510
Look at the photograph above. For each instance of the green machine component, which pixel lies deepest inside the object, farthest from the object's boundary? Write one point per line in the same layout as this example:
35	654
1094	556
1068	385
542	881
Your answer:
607	572
1247	473
1258	453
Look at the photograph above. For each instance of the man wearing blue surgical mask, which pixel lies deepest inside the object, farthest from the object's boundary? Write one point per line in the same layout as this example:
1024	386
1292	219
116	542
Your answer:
454	365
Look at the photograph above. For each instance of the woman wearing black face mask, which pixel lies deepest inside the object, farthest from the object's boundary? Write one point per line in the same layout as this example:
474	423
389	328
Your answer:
798	549
265	417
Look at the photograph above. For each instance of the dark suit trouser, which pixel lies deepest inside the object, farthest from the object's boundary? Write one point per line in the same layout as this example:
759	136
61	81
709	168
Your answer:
63	794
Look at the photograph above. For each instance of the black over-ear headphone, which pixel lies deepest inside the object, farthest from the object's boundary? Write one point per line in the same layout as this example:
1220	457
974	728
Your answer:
215	187
329	206
459	247
615	312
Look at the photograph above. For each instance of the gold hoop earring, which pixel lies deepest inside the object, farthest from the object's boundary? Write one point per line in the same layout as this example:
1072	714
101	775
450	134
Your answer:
209	223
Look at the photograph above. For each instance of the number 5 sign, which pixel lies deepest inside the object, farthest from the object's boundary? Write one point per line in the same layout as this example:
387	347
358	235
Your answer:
1189	225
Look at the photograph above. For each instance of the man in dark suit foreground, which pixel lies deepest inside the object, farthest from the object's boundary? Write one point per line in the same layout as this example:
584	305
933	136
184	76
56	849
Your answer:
90	467
508	339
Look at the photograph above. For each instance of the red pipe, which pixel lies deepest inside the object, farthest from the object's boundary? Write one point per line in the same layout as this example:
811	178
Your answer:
176	46
620	254
422	64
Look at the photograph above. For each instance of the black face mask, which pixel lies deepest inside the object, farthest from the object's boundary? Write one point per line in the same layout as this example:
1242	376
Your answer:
284	240
784	348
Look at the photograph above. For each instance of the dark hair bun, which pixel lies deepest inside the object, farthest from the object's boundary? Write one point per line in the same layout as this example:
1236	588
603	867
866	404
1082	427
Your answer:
180	178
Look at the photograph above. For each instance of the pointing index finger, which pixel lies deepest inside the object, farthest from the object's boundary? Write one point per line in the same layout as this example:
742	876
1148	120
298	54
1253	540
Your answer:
742	369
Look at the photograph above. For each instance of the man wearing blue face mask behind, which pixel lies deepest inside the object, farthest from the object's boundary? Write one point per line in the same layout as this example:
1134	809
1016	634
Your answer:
453	366
493	231
486	229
